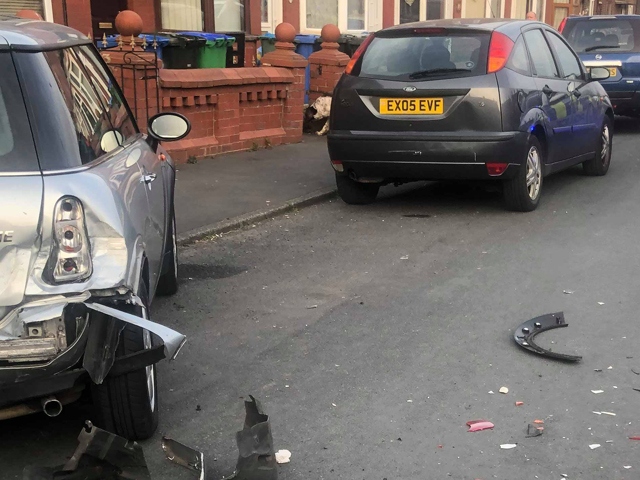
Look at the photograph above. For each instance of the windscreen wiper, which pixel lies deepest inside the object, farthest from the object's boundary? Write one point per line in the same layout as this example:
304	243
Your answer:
435	71
598	47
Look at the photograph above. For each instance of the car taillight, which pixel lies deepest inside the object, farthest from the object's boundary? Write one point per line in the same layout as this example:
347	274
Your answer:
358	53
496	169
71	255
562	24
499	51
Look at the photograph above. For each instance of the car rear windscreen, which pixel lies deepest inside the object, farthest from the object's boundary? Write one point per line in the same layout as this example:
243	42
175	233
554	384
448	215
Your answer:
17	151
426	56
603	35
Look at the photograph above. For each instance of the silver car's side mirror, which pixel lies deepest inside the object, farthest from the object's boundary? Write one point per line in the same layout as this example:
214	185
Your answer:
599	73
168	127
111	140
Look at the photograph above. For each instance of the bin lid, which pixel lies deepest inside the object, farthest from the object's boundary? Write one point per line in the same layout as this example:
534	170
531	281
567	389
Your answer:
207	35
185	40
268	35
161	40
308	39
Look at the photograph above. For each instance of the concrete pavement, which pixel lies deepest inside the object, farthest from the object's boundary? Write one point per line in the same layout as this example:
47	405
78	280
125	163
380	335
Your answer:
218	194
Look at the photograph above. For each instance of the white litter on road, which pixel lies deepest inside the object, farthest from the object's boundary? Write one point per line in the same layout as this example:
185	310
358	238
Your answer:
508	446
600	303
491	392
598	413
609	368
594	446
609	413
504	390
597	391
405	257
627	467
283	456
409	401
567	292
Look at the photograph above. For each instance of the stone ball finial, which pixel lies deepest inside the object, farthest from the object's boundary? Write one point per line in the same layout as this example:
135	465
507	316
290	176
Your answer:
285	32
129	23
29	14
330	33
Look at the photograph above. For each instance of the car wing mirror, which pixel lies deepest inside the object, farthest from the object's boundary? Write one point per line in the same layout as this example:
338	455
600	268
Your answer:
599	73
168	127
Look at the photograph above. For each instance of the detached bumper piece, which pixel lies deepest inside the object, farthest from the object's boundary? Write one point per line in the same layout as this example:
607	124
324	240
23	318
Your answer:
525	335
257	460
185	456
100	456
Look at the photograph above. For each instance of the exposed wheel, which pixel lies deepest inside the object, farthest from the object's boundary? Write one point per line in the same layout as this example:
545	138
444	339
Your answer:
168	281
599	164
522	193
356	193
128	405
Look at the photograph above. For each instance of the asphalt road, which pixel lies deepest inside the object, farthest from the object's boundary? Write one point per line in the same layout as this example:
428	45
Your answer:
373	334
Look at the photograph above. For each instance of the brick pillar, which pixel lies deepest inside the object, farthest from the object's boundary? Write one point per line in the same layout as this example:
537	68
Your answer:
327	65
285	56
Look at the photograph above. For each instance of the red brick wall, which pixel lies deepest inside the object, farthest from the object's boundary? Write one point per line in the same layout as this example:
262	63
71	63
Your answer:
234	108
291	13
147	10
78	14
326	68
388	13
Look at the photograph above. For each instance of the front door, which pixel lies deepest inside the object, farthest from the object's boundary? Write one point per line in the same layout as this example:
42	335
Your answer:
557	101
103	16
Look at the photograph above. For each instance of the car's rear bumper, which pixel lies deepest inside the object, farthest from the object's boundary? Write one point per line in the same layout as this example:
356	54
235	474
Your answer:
624	102
426	156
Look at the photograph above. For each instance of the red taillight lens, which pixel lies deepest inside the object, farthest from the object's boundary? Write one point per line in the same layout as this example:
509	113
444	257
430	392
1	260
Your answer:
496	169
562	24
337	165
499	51
358	53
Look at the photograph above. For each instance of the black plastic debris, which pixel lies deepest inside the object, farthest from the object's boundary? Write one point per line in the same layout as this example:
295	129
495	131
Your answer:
100	456
257	459
534	430
184	456
525	335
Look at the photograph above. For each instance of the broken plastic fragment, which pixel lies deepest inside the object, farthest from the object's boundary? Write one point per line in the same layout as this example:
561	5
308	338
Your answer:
404	257
184	456
283	456
508	446
609	368
504	390
634	438
478	425
627	467
519	404
567	292
608	413
525	335
540	422
491	392
600	303
594	446
597	391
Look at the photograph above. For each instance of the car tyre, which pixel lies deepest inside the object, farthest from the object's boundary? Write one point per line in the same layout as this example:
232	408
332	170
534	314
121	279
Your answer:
356	193
522	193
168	281
127	405
599	164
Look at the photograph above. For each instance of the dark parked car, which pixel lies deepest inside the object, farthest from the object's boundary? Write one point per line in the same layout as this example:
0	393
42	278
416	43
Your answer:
612	42
467	99
87	234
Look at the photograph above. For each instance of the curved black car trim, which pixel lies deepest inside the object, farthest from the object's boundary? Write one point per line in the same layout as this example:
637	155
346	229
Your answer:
525	335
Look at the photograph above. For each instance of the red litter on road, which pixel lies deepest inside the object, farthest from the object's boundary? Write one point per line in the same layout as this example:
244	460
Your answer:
634	438
478	425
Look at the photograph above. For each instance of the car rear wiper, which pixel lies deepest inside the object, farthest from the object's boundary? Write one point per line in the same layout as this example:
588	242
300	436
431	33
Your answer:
598	47
425	73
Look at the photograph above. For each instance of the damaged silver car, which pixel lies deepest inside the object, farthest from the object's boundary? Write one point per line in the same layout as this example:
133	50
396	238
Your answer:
87	234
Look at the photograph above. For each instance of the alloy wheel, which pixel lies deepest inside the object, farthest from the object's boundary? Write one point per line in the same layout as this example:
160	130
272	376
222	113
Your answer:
534	173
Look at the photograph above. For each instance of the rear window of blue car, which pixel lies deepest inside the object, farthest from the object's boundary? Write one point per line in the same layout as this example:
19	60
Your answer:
603	35
426	56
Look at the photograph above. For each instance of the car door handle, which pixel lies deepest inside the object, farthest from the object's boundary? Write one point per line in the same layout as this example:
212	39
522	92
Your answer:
148	178
547	91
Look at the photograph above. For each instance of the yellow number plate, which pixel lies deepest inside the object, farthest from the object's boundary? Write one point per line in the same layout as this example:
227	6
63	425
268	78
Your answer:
613	71
411	106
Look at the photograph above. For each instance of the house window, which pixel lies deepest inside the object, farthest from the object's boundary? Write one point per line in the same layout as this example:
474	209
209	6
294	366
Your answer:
182	15
229	15
13	7
348	15
265	6
419	10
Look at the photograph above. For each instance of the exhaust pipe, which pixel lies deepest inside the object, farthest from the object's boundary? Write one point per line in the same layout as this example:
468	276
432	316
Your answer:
51	406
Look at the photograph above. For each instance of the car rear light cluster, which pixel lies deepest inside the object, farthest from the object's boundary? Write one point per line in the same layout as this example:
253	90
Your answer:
71	255
499	50
562	24
358	53
496	169
337	165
